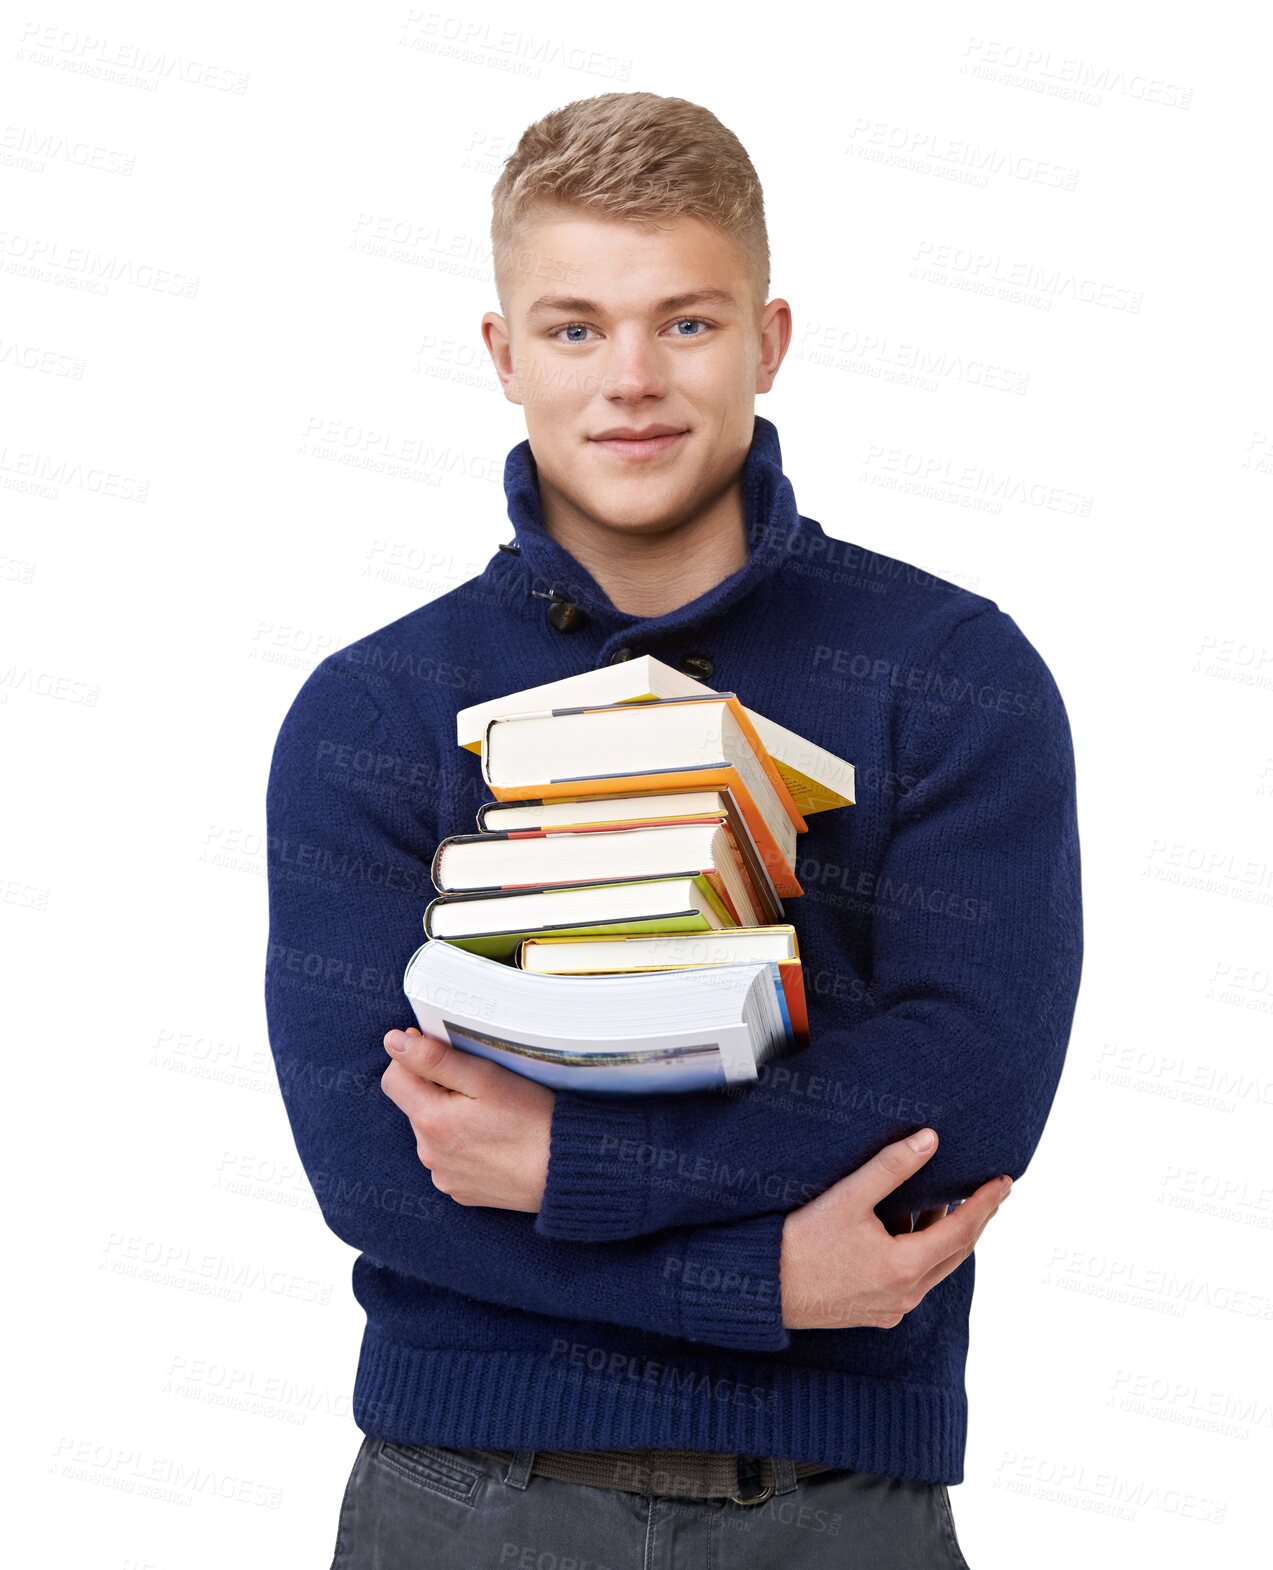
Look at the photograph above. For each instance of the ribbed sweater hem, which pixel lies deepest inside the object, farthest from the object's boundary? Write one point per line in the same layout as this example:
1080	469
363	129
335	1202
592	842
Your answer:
518	1400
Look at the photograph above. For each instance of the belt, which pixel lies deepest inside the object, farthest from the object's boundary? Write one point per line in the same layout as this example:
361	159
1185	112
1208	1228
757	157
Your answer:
686	1474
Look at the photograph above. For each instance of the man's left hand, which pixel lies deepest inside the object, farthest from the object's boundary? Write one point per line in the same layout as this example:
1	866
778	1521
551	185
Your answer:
482	1131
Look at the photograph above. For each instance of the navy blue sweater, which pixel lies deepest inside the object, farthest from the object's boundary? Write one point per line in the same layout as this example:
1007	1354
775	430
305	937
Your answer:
940	930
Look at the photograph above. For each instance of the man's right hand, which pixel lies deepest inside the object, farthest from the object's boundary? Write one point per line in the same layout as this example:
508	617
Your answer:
841	1267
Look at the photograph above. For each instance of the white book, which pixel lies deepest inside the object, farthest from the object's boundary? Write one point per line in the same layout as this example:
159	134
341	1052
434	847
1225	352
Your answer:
580	904
502	817
675	1030
816	778
496	862
676	741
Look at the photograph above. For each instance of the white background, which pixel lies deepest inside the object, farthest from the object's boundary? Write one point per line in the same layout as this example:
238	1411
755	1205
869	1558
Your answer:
1031	355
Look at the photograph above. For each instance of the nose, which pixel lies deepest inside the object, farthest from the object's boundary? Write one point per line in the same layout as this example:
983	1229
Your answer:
634	367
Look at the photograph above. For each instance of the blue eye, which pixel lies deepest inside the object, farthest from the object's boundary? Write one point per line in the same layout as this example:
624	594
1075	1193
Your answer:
581	327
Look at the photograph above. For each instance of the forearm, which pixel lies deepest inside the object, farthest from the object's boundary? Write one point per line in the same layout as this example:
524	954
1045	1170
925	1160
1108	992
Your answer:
338	945
809	1121
714	1284
966	1027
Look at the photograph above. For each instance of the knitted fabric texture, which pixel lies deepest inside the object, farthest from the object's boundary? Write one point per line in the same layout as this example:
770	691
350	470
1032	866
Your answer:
940	931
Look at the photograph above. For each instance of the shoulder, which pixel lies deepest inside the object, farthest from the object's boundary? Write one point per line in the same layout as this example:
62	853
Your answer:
947	650
930	622
984	683
395	676
903	606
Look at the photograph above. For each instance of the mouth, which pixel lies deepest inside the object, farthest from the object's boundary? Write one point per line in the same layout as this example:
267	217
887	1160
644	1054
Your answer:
640	447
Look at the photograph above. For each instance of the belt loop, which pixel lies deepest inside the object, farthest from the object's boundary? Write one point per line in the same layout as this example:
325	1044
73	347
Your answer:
743	1471
784	1474
518	1474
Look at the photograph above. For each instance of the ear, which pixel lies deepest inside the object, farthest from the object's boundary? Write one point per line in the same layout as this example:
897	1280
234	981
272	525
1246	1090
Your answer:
775	339
499	345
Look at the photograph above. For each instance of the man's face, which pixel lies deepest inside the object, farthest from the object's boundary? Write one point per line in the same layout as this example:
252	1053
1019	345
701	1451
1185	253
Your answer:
615	327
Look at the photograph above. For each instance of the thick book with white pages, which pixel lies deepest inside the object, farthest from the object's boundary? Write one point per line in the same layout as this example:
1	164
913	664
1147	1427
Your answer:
666	1031
665	743
494	923
620	808
816	777
507	862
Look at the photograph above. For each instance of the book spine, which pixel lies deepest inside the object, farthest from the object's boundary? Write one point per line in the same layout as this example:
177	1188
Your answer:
780	997
766	762
760	885
436	872
720	774
792	975
712	876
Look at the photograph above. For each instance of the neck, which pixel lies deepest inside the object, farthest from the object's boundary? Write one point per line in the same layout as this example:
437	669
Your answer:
652	574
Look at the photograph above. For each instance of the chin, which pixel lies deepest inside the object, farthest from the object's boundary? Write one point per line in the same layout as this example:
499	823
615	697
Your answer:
630	504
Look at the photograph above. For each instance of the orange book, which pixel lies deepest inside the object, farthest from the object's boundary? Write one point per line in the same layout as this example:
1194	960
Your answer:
717	771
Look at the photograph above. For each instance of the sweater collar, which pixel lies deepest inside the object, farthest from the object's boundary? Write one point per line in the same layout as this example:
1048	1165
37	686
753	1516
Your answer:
773	522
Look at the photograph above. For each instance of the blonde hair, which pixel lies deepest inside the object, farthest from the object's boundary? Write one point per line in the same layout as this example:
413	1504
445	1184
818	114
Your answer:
637	157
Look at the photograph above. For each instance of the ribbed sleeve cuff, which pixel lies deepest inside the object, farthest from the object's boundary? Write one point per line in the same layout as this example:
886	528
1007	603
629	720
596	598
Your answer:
598	1159
730	1290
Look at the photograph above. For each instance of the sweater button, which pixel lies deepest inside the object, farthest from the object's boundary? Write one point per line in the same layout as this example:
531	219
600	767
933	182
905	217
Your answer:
697	665
566	616
623	652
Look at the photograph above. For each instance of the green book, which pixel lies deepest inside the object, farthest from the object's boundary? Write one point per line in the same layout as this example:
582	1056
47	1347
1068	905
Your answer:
494	924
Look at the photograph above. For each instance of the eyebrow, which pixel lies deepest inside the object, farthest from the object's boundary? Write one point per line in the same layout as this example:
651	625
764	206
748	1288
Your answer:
572	305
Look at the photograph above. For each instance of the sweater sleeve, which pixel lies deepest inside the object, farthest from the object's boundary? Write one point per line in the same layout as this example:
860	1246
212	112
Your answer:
350	837
976	953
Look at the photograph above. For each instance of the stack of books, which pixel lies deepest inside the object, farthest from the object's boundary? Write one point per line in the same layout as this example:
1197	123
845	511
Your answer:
615	925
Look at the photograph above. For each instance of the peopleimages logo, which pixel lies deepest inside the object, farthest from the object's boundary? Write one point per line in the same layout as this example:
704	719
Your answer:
947	686
613	1366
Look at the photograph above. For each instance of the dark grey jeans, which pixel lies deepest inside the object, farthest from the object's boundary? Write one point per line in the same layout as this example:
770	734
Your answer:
424	1507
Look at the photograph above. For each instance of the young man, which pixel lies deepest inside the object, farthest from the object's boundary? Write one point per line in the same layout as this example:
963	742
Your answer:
690	1328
